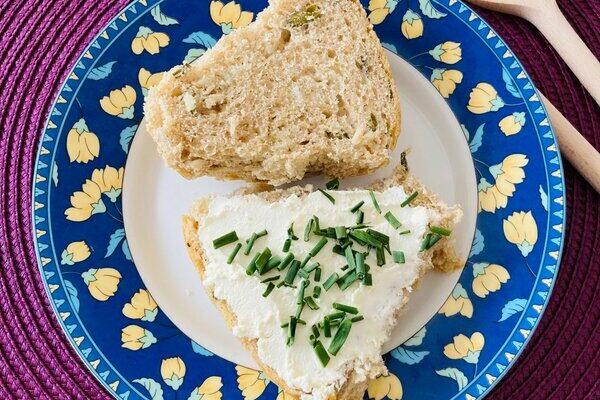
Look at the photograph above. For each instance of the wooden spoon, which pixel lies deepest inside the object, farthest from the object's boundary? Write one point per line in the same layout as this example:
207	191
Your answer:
547	17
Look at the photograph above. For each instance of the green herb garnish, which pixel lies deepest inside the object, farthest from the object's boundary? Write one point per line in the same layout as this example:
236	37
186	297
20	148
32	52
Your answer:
300	18
284	263
335	315
345	308
303	274
350	257
333	184
316	292
340	336
271	279
360	265
262	260
398	257
291	330
340	232
233	253
425	242
291	273
321	353
409	199
405	232
290	232
368	281
300	298
357	206
250	243
380	253
347	280
315	331
317	275
312	267
434	239
315	250
226	239
268	290
326	328
308	230
374	200
360	217
330	281
357	318
311	303
286	245
329	197
440	231
373	122
251	268
392	220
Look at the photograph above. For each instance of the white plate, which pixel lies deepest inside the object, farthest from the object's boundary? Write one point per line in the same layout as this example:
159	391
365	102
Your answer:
155	198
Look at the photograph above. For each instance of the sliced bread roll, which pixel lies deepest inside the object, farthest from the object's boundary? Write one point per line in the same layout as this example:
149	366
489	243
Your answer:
257	297
304	89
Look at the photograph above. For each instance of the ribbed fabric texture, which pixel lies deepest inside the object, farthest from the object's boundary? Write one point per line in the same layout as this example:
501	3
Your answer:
41	40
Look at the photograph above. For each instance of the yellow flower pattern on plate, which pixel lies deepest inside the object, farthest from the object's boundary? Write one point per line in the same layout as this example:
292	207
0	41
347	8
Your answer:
252	383
457	303
135	337
148	40
385	387
512	124
120	102
209	390
229	16
484	98
379	9
520	229
172	371
488	278
75	252
447	52
412	25
465	348
507	174
142	306
102	282
148	79
445	80
82	145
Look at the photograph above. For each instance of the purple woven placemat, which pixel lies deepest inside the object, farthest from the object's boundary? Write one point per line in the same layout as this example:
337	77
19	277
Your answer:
40	41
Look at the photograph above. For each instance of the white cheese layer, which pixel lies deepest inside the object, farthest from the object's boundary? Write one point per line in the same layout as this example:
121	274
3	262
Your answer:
260	318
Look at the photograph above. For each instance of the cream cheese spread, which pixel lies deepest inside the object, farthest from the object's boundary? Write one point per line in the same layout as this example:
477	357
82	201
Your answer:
261	317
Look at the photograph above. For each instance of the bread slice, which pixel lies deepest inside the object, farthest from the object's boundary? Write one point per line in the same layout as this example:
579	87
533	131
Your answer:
256	320
304	89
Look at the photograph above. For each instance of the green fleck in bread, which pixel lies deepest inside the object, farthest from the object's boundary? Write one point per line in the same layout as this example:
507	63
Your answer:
304	89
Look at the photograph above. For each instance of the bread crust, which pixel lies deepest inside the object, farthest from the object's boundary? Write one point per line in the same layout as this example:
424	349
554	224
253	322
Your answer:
443	258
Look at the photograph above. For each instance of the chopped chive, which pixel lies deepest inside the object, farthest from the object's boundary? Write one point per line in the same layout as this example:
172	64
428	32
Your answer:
305	261
368	281
345	267
357	318
405	232
360	265
350	257
334	323
299	309
250	243
269	289
440	231
349	280
280	284
291	273
382	237
301	321
392	220
284	263
311	303
409	199
261	261
374	200
330	281
286	245
316	225
315	331
272	264
312	267
357	206
434	239
226	239
340	336
318	247
233	253
321	353
291	233
399	257
251	268
365	238
330	233
308	230
340	232
303	274
271	279
326	328
284	325
360	217
425	242
316	292
345	308
261	233
333	184
337	249
292	330
335	315
329	197
317	275
380	253
300	298
358	226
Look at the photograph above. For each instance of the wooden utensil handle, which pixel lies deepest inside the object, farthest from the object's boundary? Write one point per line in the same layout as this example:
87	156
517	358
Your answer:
561	35
573	146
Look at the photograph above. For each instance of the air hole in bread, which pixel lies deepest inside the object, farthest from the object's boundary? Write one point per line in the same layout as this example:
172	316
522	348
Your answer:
176	91
284	39
331	53
185	153
341	104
